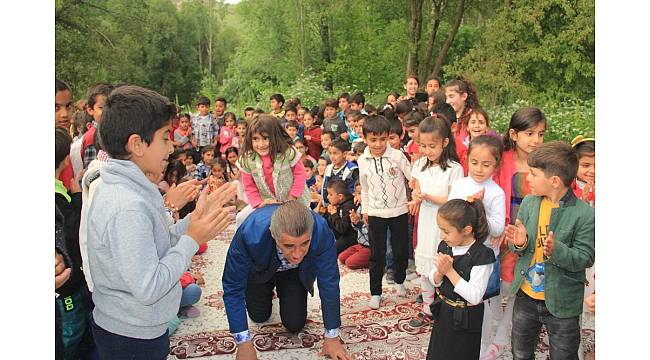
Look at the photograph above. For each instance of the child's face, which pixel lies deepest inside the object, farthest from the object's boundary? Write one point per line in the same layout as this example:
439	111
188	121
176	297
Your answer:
357	190
188	160
529	139
248	114
325	141
411	87
351	156
184	124
432	86
539	183
181	157
431	101
394	140
309	171
337	156
290	115
356	106
455	99
477	125
451	235
359	128
414	133
232	158
241	130
377	143
261	144
431	145
275	105
229	122
203	109
482	163
343	104
322	165
152	158
300	116
352	123
292	131
299	146
216	169
207	157
391	99
308	120
63	109
333	197
96	110
329	112
219	108
587	169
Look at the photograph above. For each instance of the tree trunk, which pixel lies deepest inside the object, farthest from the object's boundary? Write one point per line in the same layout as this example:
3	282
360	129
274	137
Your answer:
326	50
414	37
200	55
301	19
210	37
437	16
450	39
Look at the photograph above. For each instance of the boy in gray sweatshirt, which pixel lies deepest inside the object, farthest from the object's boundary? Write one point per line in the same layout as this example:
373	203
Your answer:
136	259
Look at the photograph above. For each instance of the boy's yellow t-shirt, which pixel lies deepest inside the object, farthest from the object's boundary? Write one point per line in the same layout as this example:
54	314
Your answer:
533	284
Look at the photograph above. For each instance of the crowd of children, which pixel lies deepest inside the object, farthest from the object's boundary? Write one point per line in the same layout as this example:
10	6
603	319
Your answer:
419	189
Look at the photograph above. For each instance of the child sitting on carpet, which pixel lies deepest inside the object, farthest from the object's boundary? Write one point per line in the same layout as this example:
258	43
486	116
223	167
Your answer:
357	256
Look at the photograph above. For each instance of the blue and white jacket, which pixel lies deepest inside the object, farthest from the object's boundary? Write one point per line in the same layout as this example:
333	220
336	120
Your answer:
349	174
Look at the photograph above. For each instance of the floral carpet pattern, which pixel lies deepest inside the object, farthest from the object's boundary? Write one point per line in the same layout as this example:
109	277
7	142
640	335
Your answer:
383	334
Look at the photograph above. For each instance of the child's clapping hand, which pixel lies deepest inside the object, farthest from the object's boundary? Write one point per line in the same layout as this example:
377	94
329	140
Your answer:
331	209
354	217
516	234
444	263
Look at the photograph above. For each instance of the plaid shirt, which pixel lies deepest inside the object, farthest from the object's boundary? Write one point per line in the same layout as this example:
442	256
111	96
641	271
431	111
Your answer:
205	130
202	171
89	155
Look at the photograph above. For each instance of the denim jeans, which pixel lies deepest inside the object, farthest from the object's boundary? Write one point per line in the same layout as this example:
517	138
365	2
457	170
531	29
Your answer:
113	346
191	295
527	319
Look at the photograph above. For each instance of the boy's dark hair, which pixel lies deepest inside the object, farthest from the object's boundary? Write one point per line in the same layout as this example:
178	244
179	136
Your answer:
187	116
376	124
340	144
339	187
249	108
97	90
331	134
522	119
555	158
396	128
132	110
370	109
440	127
221	99
59	85
191	154
259	111
290	108
202	100
585	148
460	213
241	122
326	160
294	101
404	107
353	114
440	97
414	118
206	149
62	143
279	140
307	163
278	97
445	110
359	147
331	102
344	95
81	119
358	98
306	109
493	144
388	112
292	123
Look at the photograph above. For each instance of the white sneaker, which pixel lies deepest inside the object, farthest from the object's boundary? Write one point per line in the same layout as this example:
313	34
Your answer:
374	301
401	290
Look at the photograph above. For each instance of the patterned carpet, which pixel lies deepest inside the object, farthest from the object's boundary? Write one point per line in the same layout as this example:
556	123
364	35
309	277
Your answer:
382	334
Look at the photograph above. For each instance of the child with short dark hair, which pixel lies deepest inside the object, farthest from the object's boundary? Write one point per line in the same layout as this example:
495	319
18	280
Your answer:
340	203
554	238
312	134
204	167
205	129
309	172
276	101
358	103
136	258
333	123
321	165
357	256
249	111
395	135
340	168
326	139
292	129
383	170
238	140
95	106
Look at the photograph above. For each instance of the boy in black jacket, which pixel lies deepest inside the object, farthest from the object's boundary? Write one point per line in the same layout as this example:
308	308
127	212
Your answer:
338	215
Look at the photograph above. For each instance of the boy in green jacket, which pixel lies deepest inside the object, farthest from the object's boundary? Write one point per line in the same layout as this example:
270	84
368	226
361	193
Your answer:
554	238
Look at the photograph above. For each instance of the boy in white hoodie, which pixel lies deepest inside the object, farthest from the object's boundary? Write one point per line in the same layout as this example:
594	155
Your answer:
135	257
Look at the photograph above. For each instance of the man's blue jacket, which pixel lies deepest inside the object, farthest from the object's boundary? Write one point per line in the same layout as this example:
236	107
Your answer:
253	256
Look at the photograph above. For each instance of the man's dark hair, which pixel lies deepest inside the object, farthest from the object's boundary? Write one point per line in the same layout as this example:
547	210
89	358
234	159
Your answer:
97	90
278	97
377	125
132	110
202	100
340	144
62	143
59	85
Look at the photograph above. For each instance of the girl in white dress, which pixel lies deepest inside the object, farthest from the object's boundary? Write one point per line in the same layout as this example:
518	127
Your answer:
433	173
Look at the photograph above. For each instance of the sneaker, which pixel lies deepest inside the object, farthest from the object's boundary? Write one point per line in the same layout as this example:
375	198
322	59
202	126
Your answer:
419	299
493	351
420	320
374	302
411	266
401	290
412	276
190	312
390	276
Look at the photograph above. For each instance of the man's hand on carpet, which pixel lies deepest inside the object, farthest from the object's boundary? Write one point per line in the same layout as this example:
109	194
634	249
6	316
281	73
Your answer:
246	351
333	349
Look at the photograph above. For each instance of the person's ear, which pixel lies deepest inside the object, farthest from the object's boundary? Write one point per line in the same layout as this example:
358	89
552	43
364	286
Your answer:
135	145
556	182
467	230
512	134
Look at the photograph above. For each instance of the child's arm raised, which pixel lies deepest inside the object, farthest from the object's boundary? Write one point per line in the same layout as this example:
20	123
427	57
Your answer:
578	256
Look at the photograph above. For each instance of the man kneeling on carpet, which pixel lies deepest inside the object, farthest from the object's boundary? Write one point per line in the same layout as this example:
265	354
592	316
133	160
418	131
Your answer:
285	246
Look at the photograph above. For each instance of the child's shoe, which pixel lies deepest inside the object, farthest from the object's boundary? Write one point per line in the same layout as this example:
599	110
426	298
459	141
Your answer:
190	312
390	276
420	320
374	302
401	290
493	351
